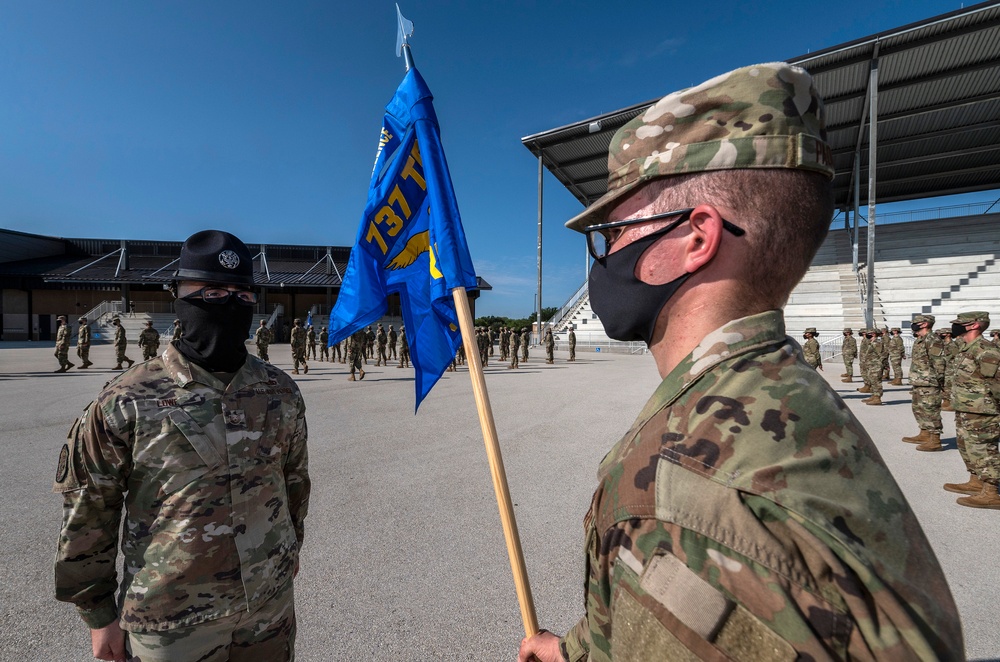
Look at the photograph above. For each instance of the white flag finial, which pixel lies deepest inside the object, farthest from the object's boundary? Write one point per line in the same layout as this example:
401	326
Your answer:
404	30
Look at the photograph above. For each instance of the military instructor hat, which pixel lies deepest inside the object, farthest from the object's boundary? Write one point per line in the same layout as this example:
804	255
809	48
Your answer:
216	257
919	318
971	316
761	116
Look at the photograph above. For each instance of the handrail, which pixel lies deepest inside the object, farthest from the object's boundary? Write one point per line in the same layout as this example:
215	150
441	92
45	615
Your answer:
557	318
278	310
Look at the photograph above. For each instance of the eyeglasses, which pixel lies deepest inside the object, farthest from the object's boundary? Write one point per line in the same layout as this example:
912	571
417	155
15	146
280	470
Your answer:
600	240
220	295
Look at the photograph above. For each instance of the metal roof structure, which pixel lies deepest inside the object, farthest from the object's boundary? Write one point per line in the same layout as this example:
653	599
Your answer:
937	85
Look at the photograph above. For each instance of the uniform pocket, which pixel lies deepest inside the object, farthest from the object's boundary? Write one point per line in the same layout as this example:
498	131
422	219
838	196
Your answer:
171	449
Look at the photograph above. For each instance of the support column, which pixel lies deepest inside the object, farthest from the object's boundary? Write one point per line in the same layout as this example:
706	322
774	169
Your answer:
857	206
872	150
538	310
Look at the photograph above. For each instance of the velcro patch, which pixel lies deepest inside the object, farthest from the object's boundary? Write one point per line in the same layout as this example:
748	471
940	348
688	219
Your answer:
63	467
695	602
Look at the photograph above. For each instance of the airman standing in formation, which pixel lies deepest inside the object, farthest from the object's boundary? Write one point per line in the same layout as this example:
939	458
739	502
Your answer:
550	345
324	349
571	338
393	339
121	343
849	349
83	343
884	339
178	330
64	335
262	338
491	338
298	343
927	368
515	345
897	352
356	352
369	344
525	341
871	368
335	354
380	341
149	341
810	350
482	342
995	337
404	348
504	340
975	395
951	349
310	342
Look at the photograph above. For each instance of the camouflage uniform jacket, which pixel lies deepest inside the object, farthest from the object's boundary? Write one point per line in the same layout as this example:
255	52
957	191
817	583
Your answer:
324	338
298	337
120	340
897	350
83	335
63	336
214	484
177	332
850	347
403	342
975	386
747	515
810	350
149	337
311	336
262	336
380	338
928	363
572	339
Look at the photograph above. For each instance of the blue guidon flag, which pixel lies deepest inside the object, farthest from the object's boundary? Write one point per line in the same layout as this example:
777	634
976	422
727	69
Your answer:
410	240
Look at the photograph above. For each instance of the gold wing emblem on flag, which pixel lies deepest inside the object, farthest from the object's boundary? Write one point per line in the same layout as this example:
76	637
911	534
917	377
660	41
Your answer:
418	243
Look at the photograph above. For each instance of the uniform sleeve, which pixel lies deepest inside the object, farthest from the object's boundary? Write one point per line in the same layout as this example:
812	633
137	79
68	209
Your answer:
92	475
297	474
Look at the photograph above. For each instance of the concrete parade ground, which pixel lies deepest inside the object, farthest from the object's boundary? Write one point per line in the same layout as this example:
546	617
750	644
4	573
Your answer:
404	556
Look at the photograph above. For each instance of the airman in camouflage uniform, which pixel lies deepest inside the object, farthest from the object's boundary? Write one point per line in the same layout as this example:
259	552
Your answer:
897	352
871	367
849	349
381	340
884	339
211	476
571	339
64	334
121	342
369	352
483	339
810	349
491	338
262	338
149	341
404	348
995	337
504	342
178	330
310	342
550	345
927	367
298	344
515	345
864	346
336	356
393	339
324	348
951	349
746	514
83	343
975	395
525	341
356	353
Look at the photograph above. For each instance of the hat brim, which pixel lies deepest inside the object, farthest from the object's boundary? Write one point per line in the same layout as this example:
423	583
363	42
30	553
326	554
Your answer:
212	277
598	212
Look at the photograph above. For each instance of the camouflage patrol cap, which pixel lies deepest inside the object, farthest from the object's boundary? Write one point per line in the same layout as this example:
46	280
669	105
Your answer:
919	318
177	321
761	116
81	319
297	320
894	329
812	330
943	331
216	257
60	317
971	316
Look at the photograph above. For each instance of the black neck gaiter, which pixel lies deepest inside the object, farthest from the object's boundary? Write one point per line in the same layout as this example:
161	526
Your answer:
214	335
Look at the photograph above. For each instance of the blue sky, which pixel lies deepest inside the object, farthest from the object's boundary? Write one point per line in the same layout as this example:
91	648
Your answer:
152	120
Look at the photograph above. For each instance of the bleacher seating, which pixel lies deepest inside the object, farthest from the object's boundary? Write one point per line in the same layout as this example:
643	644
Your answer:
938	267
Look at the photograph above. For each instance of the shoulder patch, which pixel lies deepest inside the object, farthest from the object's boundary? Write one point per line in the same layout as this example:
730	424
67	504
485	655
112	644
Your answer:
63	467
988	364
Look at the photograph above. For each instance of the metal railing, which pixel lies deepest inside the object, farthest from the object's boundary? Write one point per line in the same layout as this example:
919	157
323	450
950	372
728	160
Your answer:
928	214
97	313
832	348
560	314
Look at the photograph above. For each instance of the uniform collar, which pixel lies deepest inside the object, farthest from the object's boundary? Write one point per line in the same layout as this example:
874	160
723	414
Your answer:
185	372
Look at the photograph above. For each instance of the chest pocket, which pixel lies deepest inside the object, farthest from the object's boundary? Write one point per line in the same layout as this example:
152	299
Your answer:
176	452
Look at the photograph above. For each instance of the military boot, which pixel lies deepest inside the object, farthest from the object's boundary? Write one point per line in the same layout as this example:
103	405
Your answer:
934	444
973	486
946	405
130	361
898	381
117	367
305	368
865	389
62	369
874	400
847	379
362	375
919	438
987	498
844	374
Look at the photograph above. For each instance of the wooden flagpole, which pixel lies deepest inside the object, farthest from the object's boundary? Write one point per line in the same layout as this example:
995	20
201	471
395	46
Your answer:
496	463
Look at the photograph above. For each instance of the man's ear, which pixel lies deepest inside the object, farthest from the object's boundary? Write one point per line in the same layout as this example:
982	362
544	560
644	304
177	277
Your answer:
706	235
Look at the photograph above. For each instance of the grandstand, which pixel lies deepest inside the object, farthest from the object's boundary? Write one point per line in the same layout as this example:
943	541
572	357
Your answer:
938	266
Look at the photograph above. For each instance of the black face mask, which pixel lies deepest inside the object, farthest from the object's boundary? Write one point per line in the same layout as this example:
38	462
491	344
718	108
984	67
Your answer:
914	328
214	334
957	330
628	308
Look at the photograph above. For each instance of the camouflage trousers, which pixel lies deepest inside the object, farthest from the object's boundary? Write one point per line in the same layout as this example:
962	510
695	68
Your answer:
324	352
524	353
120	355
382	359
354	359
513	358
262	352
572	352
489	349
83	351
298	356
404	357
311	351
62	355
335	354
149	352
262	636
927	408
977	438
885	368
392	350
897	367
549	353
873	377
849	365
